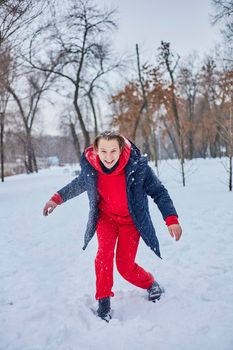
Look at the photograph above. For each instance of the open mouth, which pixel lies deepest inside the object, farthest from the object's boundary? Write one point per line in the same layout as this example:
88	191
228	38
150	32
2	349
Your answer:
109	163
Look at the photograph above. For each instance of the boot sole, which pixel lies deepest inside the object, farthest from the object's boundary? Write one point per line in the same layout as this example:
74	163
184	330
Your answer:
106	319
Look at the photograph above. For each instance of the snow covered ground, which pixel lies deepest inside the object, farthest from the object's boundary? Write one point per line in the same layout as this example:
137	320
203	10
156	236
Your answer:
47	282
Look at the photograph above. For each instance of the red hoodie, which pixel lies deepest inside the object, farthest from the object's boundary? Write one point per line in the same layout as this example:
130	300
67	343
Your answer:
112	187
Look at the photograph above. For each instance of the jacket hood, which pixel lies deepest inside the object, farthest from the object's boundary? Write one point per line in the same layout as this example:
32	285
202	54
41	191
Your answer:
93	158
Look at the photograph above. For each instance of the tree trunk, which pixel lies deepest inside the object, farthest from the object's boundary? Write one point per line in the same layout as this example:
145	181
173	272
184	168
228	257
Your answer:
82	125
75	141
2	145
171	137
177	122
230	173
190	143
155	148
178	126
183	172
30	161
34	161
144	106
94	112
137	121
191	102
231	145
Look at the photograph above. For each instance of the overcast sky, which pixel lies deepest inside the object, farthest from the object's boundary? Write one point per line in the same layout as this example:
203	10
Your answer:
184	23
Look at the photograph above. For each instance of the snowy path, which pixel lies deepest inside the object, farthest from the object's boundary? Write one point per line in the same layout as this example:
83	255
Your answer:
47	282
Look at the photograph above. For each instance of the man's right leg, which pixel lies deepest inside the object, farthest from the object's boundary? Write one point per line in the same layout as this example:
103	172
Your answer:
107	233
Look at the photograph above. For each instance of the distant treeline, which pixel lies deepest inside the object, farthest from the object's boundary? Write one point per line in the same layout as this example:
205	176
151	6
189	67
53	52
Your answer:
61	54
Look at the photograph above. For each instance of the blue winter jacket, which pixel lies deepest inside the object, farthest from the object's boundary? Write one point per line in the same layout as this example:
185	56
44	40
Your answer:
140	182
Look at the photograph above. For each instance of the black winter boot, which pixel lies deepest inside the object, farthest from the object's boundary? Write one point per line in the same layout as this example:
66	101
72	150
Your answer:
155	292
104	309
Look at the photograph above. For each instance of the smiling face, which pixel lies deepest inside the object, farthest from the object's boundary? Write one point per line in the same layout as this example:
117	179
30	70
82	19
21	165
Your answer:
109	152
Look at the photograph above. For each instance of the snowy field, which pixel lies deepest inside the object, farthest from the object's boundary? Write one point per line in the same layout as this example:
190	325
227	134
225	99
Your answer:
47	282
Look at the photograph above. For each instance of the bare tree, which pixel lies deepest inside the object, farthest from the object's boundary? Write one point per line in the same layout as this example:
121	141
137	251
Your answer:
188	85
226	133
15	15
214	89
5	68
12	17
167	60
143	112
95	80
28	106
144	102
74	48
224	15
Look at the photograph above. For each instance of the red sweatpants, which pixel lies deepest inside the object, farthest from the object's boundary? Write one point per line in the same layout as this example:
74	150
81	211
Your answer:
127	237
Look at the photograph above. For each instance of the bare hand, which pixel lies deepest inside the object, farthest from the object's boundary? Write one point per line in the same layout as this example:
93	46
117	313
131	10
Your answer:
49	208
175	231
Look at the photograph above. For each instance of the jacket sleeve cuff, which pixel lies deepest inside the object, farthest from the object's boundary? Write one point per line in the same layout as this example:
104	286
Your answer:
56	198
171	220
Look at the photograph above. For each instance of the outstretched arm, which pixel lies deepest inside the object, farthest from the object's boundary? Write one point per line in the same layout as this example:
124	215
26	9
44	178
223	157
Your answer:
156	190
73	189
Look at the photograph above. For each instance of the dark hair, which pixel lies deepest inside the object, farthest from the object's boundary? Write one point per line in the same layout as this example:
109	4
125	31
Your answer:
110	135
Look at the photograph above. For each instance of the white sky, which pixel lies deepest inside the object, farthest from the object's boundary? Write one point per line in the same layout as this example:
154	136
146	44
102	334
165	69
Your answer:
184	23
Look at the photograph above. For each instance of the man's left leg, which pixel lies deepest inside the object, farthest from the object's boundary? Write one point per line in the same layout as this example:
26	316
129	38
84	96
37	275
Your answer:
127	245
